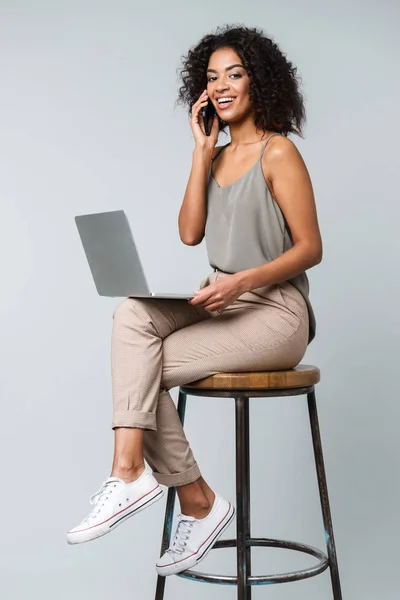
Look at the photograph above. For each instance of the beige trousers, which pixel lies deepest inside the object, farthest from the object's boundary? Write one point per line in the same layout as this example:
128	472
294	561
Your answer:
158	344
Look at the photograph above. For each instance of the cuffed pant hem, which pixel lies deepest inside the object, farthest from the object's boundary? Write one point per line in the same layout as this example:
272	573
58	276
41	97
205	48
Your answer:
177	479
131	418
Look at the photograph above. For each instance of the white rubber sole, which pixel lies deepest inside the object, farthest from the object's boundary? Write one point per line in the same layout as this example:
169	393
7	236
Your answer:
195	559
95	531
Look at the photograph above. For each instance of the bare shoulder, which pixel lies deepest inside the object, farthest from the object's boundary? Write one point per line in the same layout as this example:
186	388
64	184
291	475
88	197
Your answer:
281	147
280	152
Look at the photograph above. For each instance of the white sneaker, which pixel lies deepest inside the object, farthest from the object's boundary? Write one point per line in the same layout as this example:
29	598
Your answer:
194	538
115	502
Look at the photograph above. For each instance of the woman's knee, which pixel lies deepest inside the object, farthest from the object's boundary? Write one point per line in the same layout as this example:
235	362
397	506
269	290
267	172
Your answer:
130	309
122	308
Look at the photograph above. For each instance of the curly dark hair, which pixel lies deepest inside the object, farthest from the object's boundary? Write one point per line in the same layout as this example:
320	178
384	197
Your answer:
274	84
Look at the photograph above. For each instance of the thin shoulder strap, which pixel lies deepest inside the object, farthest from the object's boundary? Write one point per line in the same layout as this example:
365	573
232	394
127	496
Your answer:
266	142
220	150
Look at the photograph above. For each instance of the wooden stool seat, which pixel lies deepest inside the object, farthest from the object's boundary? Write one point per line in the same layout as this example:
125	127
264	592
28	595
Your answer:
299	377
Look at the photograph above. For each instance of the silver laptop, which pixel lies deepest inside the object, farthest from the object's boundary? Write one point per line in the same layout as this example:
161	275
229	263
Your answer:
113	258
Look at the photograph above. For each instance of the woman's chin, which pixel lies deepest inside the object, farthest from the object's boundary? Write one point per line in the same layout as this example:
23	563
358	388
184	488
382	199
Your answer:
228	118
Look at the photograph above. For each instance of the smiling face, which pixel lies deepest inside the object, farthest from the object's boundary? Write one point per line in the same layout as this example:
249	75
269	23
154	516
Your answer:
227	77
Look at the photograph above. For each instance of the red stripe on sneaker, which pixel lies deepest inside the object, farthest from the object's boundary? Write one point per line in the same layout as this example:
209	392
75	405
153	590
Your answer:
197	551
116	514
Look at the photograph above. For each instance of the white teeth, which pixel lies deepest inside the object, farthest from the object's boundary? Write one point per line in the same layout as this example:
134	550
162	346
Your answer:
222	100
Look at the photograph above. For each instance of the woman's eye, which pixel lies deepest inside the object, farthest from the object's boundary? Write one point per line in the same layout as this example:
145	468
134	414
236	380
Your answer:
232	74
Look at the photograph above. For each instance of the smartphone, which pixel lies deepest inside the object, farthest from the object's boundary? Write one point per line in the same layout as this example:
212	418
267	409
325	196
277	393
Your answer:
208	112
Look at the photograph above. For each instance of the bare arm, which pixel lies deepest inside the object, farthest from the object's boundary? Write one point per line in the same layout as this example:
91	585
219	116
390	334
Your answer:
193	212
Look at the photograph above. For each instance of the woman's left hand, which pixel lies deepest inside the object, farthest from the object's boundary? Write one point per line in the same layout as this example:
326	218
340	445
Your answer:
218	295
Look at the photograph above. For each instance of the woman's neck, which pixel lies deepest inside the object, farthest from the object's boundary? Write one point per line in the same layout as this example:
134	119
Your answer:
246	135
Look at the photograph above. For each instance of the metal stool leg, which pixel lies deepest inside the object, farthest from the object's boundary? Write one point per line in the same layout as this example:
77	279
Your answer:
243	497
323	492
247	503
169	511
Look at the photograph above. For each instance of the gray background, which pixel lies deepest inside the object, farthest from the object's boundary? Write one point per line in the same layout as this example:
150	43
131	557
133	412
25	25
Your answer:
87	124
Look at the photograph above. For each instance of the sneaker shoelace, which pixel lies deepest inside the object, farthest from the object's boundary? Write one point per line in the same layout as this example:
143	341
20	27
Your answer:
182	534
101	494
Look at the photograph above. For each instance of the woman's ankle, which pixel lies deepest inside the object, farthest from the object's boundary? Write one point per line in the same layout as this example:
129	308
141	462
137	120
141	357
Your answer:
128	473
207	491
197	511
194	501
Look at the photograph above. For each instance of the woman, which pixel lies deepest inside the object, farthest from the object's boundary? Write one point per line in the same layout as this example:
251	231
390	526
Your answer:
253	201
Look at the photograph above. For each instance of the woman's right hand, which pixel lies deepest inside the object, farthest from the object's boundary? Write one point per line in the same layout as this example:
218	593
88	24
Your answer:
196	123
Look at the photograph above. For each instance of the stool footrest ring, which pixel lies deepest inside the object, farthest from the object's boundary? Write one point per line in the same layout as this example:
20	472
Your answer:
321	566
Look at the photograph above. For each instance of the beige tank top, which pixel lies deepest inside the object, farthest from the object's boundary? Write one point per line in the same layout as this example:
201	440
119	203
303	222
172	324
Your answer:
246	228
